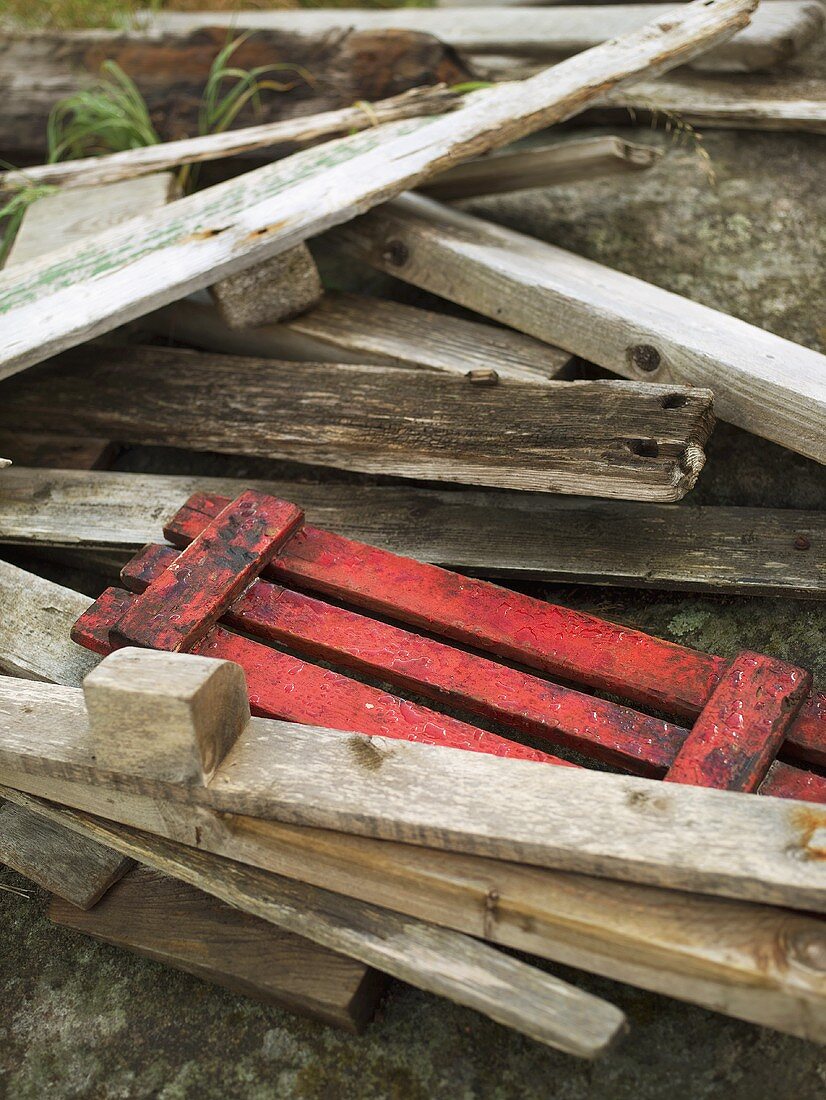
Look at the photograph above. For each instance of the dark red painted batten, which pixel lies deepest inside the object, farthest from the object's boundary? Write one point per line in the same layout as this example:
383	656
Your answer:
187	598
285	687
742	726
554	639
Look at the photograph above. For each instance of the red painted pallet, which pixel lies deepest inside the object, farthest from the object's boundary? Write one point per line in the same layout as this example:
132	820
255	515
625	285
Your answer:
747	710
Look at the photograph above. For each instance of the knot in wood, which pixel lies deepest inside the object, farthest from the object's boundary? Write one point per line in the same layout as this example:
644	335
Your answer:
644	357
395	252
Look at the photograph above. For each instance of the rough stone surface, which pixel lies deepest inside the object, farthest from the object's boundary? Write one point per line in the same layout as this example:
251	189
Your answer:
272	291
79	1019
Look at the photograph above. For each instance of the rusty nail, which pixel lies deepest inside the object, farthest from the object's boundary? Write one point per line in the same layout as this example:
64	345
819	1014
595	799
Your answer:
484	376
802	543
644	357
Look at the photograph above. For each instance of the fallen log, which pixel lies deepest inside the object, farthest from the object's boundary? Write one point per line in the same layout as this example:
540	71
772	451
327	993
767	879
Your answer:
319	73
166	920
767	385
779	29
512	535
666	835
157	259
618	439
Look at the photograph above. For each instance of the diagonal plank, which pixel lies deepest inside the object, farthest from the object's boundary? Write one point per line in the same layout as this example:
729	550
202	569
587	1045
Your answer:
84	291
742	551
761	382
683	837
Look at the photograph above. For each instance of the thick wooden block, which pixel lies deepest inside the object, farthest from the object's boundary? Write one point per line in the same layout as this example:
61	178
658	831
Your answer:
272	291
742	726
170	719
73	867
173	923
182	604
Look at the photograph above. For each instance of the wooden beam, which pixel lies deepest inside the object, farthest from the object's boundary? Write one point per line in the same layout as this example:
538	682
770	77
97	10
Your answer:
350	328
149	159
665	835
750	961
56	303
147	911
653	938
76	868
269	292
62	452
742	551
779	29
618	439
318	74
762	383
548	166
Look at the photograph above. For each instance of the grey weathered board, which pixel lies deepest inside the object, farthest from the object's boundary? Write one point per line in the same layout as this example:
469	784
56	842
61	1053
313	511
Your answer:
75	868
779	29
629	440
761	382
737	551
157	916
80	292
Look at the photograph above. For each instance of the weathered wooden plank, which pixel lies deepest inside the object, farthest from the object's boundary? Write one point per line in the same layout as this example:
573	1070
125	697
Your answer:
718	549
49	305
741	728
145	160
770	386
272	291
62	452
617	439
544	166
320	74
75	868
350	328
660	834
779	29
185	600
154	915
750	961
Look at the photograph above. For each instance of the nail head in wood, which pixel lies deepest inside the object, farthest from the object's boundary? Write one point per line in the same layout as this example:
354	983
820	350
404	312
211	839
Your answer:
272	291
168	716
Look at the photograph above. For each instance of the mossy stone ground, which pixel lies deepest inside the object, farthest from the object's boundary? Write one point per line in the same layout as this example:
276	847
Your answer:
78	1019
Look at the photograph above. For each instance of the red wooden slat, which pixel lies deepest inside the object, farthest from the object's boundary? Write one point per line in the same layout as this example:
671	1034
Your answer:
599	729
184	601
281	686
556	640
742	726
602	730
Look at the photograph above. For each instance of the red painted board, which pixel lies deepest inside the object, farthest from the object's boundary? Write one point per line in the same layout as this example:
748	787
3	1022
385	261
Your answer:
186	599
743	725
285	687
602	730
554	639
640	744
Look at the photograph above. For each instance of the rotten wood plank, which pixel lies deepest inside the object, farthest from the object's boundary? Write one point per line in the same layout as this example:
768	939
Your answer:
779	29
75	868
604	438
62	452
668	835
739	551
750	961
319	74
147	911
67	298
351	328
543	166
767	385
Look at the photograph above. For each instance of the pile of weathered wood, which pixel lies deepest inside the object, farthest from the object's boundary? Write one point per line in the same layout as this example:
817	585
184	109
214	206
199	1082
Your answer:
347	830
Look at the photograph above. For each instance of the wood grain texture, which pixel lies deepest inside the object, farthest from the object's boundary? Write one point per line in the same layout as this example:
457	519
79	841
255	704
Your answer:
616	439
767	385
272	291
175	924
145	160
76	868
779	29
320	74
351	328
548	166
509	534
706	841
754	962
159	258
62	452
